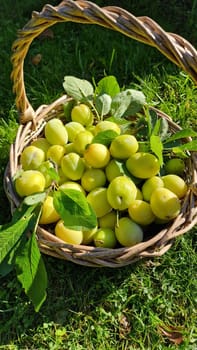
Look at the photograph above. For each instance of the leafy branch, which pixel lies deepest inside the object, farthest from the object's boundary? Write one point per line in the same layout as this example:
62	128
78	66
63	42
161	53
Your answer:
18	244
22	253
106	99
158	139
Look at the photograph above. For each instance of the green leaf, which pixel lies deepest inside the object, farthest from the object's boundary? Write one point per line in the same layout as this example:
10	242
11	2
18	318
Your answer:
120	104
12	233
35	198
107	85
127	103
178	145
49	169
189	146
142	130
178	152
157	147
79	89
181	135
6	267
153	125
120	166
105	137
31	272
172	144
74	209
156	127
151	119
8	263
164	127
103	104
159	126
119	121
16	249
137	101
124	171
52	172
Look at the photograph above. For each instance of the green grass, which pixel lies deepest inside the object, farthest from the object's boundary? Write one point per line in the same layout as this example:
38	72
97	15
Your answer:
92	308
105	309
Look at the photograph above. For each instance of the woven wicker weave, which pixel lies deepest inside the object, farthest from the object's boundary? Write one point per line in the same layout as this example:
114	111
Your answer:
32	122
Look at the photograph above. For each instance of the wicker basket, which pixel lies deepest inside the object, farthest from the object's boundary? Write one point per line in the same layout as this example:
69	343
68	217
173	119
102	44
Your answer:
32	122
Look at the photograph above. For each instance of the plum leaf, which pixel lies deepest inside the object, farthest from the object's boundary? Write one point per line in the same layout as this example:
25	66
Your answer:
105	137
127	103
74	209
157	147
103	104
11	233
31	272
107	85
79	89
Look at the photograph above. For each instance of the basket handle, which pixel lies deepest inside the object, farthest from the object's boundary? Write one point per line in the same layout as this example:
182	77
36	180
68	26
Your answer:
143	29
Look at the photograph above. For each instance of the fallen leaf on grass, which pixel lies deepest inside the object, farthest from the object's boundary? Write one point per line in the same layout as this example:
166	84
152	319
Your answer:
125	327
35	60
174	334
150	263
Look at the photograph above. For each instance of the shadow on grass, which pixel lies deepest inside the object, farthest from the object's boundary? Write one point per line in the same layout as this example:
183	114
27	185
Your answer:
85	306
74	292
